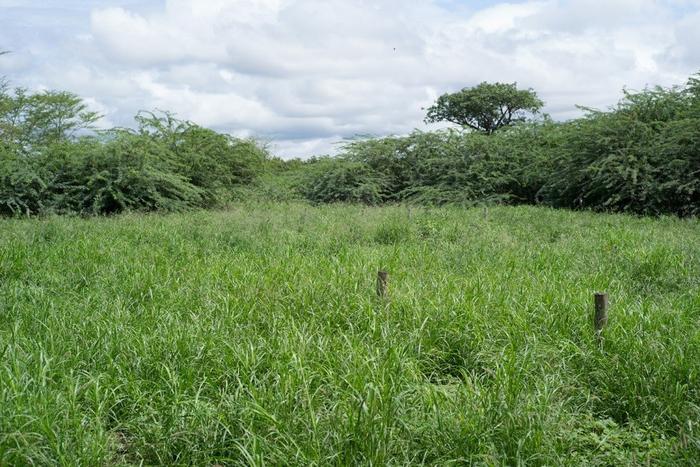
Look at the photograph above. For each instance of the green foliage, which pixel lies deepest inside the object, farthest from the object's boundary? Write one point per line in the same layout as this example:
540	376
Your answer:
46	166
642	156
254	336
486	107
30	122
330	181
279	180
445	167
209	160
126	172
22	183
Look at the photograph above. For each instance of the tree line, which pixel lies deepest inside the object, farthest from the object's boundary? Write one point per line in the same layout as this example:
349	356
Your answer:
640	156
54	161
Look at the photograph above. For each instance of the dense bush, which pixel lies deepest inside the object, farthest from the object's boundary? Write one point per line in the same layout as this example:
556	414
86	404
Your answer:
22	185
329	180
642	156
126	172
209	160
49	164
441	167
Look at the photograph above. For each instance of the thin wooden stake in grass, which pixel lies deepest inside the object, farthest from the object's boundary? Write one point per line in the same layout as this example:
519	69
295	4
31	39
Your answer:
601	314
383	284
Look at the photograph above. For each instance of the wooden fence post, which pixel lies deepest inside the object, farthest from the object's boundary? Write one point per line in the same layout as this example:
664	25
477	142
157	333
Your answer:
600	319
382	284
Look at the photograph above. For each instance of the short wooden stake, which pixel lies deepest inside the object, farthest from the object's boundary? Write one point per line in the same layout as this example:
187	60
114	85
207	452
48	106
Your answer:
382	284
601	315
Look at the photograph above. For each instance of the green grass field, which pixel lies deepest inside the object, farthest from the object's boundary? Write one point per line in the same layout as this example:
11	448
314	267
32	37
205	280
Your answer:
254	336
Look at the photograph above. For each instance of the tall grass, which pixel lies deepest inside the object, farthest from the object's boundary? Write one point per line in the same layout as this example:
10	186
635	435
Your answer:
253	336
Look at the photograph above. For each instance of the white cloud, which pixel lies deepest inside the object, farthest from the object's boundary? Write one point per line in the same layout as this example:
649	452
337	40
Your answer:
305	73
504	17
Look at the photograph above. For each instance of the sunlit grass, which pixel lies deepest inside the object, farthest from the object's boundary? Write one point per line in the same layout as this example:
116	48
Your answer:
255	336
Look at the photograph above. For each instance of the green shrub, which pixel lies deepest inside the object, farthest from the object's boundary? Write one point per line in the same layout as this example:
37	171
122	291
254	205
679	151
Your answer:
209	160
22	185
643	156
165	164
332	181
444	167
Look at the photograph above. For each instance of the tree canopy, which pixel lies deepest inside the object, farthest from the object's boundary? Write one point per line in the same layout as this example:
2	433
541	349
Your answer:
486	107
32	120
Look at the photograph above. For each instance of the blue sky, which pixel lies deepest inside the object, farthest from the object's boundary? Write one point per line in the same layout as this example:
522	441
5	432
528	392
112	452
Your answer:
304	74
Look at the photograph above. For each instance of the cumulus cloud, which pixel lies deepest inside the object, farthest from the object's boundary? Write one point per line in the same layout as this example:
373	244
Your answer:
306	73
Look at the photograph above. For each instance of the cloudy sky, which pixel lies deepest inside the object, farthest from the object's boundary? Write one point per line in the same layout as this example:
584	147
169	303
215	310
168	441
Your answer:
304	74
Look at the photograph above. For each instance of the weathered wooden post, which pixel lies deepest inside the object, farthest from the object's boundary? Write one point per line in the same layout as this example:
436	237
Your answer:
600	319
382	284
